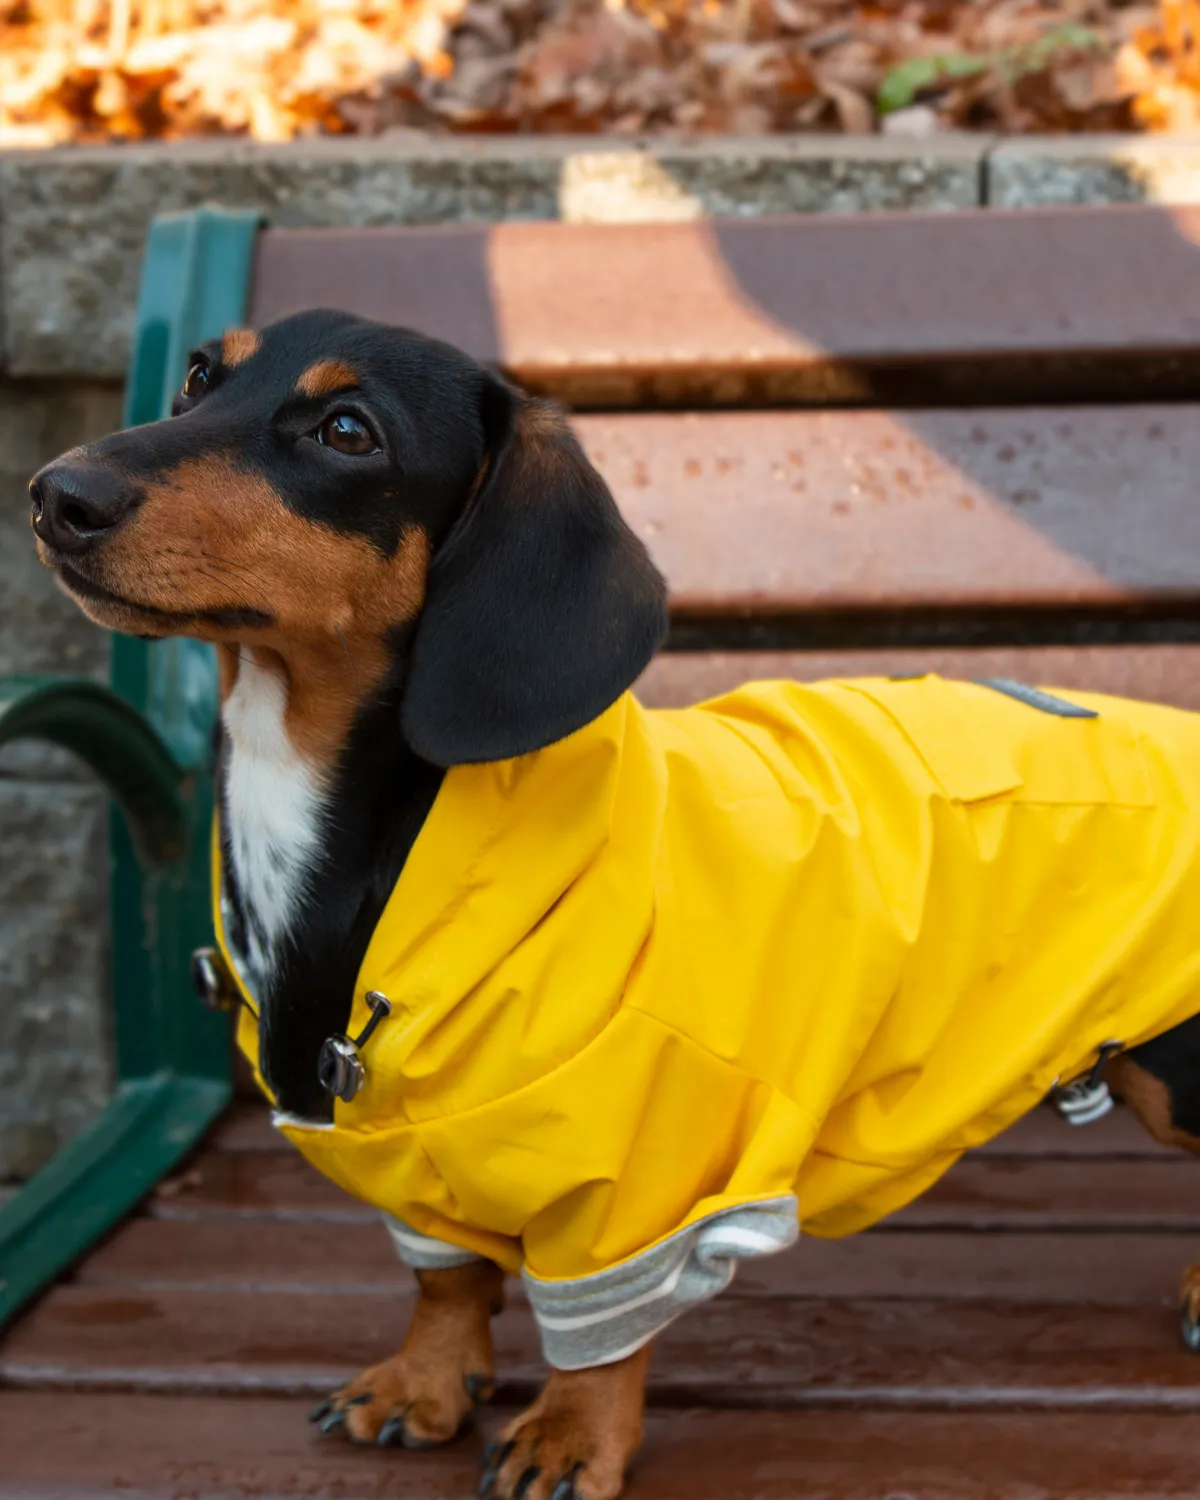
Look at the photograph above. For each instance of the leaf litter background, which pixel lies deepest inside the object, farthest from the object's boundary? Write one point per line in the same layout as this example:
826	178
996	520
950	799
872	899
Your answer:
103	70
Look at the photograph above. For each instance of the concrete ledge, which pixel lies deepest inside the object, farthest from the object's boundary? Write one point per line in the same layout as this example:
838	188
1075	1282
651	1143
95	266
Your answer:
1034	173
72	222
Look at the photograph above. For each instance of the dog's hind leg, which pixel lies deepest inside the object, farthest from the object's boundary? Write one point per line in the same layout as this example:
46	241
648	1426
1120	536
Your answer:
419	1397
1160	1082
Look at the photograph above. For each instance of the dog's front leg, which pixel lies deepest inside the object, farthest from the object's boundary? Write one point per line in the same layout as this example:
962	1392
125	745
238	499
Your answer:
419	1397
576	1440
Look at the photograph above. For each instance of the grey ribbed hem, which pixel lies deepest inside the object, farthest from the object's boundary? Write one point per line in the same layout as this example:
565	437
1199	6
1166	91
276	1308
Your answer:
423	1253
595	1320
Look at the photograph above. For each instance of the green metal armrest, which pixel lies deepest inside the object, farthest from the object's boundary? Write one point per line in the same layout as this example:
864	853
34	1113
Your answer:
154	1117
116	743
148	740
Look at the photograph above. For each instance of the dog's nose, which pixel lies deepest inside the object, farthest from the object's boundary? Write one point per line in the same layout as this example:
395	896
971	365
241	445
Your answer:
73	505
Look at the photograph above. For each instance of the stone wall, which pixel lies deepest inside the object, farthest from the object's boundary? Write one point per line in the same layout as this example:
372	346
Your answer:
54	1054
72	223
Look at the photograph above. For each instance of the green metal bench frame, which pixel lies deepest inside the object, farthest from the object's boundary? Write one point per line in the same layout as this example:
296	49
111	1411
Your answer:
148	738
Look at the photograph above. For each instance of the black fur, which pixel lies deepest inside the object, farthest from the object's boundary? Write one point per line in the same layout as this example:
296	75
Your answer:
380	800
1174	1059
542	606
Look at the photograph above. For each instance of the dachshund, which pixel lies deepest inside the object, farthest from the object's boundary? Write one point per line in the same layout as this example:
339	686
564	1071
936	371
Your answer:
424	602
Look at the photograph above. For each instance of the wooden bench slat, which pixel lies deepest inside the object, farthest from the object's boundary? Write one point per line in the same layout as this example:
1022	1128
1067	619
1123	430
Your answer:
330	1259
99	1444
830	516
1053	304
981	1190
1157	674
776	1351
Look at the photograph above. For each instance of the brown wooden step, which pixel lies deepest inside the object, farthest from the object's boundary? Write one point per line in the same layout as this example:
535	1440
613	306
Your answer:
1157	1192
1100	1269
1055	304
87	1446
763	1352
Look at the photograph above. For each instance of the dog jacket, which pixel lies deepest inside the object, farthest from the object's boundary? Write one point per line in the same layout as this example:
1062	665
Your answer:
687	980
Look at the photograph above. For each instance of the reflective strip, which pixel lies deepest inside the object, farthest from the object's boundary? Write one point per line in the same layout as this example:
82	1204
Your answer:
422	1252
595	1320
1047	703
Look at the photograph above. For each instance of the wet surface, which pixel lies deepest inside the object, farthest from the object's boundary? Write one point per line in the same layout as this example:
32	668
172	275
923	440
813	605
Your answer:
931	1357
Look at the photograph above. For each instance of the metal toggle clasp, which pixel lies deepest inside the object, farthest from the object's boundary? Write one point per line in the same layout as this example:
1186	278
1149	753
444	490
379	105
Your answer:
211	980
339	1067
1087	1099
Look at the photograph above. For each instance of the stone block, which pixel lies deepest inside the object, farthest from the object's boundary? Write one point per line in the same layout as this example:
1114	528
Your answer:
73	222
1040	173
55	1056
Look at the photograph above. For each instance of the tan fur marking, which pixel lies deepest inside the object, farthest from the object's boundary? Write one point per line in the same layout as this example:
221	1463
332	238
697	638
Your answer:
1150	1100
211	537
449	1343
585	1422
325	377
240	344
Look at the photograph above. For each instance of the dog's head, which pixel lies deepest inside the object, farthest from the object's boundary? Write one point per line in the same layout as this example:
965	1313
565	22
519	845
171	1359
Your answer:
332	481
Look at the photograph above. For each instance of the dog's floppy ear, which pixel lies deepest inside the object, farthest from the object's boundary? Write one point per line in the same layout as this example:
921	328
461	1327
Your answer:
541	607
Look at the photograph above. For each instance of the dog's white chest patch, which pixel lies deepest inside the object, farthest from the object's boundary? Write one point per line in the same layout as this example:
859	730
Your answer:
273	809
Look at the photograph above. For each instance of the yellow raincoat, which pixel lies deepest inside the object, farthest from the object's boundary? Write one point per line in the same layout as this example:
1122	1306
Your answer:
684	980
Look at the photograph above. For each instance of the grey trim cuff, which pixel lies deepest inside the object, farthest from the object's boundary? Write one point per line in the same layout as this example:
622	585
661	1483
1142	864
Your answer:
423	1253
595	1320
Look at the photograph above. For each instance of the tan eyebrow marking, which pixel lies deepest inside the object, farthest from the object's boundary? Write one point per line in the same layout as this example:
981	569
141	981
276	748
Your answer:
239	345
325	377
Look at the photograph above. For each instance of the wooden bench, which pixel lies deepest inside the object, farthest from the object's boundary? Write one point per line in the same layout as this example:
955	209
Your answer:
966	443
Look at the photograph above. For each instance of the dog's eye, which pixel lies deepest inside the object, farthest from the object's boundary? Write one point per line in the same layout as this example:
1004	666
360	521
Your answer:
346	434
198	379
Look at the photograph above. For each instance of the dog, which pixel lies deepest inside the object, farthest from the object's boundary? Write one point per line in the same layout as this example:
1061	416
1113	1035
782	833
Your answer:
607	998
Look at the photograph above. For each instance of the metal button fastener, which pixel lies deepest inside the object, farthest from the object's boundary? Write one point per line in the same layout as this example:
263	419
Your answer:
340	1067
211	980
1087	1099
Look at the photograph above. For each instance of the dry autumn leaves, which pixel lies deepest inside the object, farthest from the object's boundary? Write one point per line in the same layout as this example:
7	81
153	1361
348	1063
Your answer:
102	70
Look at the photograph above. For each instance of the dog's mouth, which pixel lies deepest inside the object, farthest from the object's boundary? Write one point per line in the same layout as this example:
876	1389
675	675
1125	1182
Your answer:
86	591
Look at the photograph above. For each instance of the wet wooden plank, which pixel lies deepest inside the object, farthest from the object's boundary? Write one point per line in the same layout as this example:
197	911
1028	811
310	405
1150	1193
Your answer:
1060	303
329	1260
778	1351
1054	1193
1043	1132
997	1189
255	1184
1158	674
102	1444
246	1126
802	513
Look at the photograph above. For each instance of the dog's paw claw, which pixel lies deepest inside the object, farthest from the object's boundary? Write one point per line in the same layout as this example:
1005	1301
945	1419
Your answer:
333	1421
321	1410
565	1488
493	1459
525	1482
391	1434
479	1387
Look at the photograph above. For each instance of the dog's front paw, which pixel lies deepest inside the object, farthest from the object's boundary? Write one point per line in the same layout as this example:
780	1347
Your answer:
403	1403
575	1441
548	1457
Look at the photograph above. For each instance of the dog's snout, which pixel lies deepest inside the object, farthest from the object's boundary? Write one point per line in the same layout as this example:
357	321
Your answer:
72	506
